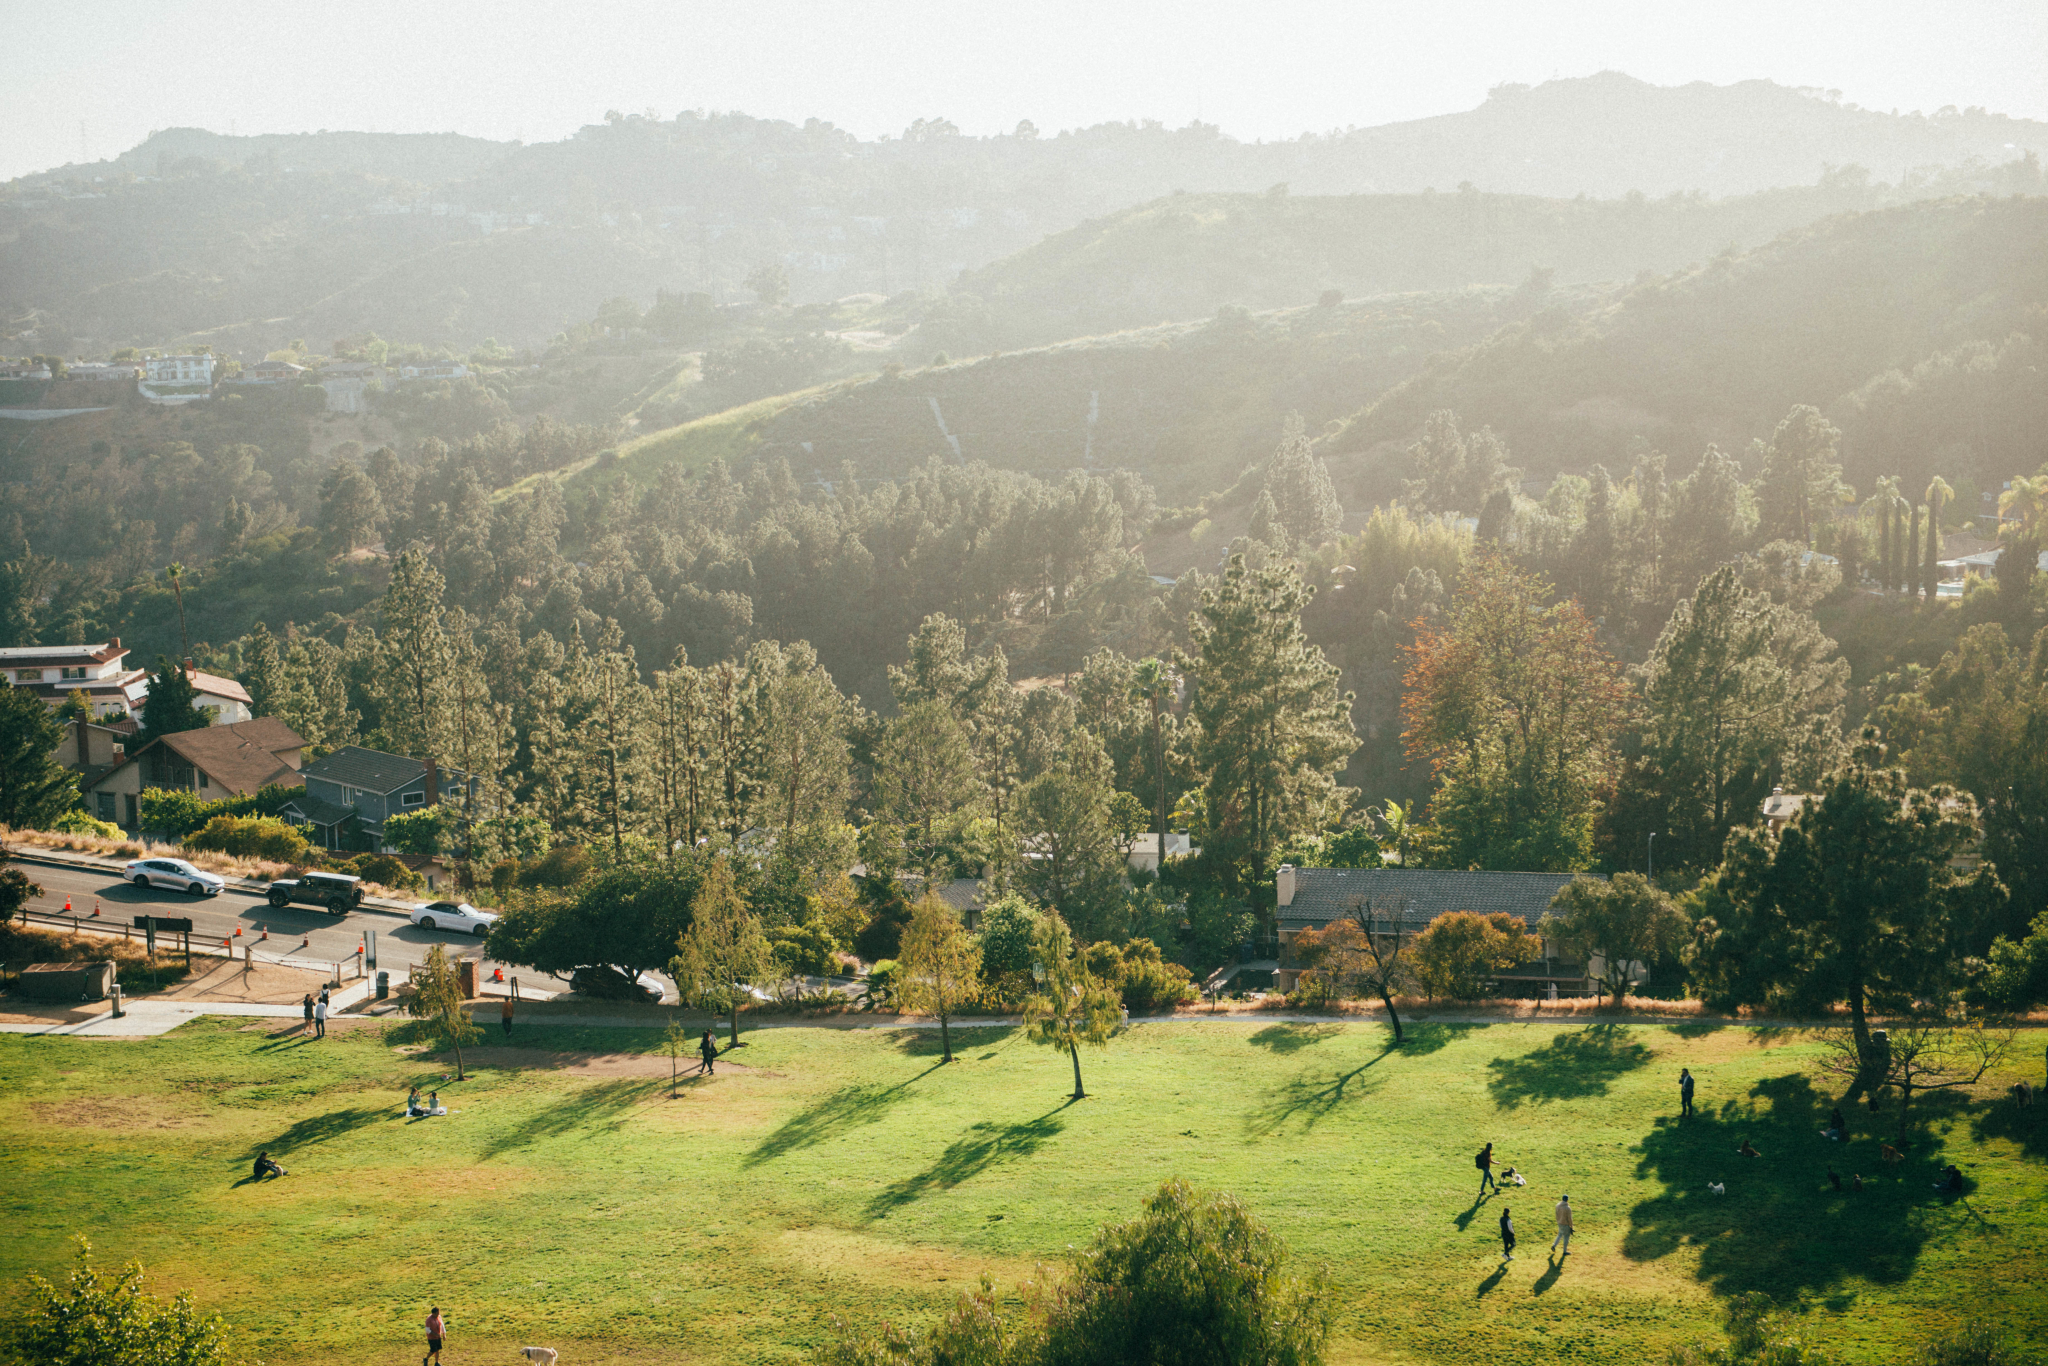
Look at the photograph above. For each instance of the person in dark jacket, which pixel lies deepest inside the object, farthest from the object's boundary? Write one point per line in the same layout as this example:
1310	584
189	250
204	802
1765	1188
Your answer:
1484	1161
1507	1237
1685	1085
266	1166
707	1049
308	1004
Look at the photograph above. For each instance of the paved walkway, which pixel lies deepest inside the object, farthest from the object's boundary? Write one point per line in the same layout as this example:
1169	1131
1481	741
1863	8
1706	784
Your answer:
142	1019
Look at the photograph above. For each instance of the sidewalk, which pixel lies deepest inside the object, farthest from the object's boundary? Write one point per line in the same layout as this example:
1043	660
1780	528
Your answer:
143	1019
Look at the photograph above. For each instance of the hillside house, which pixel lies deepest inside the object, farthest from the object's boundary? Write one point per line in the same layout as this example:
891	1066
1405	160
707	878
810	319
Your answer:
1405	900
353	791
1144	855
101	672
178	369
271	372
120	372
22	369
92	751
234	760
434	370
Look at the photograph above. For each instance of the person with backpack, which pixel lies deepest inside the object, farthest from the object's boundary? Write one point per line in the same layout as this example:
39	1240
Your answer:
1507	1236
1484	1161
707	1049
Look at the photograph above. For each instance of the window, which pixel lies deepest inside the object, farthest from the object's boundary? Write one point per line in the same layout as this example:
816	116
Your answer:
413	799
105	802
69	674
28	675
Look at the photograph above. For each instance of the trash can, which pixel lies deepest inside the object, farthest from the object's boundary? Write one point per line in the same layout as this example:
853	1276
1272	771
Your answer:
383	985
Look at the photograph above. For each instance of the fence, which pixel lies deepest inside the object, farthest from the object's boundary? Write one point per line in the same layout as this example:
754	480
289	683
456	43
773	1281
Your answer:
85	924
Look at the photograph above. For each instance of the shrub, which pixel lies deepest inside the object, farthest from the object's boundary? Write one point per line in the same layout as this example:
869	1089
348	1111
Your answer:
174	812
1459	951
805	950
419	832
386	868
76	822
264	837
1313	991
1140	976
563	866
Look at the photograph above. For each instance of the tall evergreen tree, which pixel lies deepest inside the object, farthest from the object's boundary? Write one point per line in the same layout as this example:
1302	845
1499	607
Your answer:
678	751
1303	496
34	788
804	723
1802	475
1272	728
1736	699
263	672
477	728
412	659
612	741
173	703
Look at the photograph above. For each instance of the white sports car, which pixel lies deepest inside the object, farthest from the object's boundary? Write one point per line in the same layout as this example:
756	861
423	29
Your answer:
173	873
458	916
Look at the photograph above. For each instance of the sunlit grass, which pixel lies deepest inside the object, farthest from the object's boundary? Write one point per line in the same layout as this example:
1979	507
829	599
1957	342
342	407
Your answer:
848	1172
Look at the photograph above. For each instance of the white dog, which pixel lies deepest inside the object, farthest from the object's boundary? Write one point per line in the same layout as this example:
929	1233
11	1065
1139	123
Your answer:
1718	1187
544	1355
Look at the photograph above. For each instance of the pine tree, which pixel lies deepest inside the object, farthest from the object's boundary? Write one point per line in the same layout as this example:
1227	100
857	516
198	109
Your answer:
477	730
263	671
678	752
1802	475
412	659
1265	526
612	742
1299	483
1271	727
804	720
172	704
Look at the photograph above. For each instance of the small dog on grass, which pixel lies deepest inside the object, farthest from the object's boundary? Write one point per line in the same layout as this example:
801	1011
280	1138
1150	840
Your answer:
1889	1153
544	1355
1718	1187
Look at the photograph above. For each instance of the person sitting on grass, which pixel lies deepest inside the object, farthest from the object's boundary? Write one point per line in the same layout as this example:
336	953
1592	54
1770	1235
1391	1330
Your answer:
1748	1149
413	1108
1838	1128
1950	1182
265	1166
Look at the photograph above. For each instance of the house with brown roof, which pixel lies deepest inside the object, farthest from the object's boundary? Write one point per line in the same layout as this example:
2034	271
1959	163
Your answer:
218	762
101	672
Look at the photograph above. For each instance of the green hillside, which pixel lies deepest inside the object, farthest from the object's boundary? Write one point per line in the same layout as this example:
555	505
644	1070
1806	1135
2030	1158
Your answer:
1918	328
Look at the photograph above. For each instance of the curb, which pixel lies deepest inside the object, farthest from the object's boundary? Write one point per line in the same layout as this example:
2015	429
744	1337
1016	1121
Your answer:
253	886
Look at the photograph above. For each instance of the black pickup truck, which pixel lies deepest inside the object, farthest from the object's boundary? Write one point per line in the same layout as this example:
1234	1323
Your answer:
338	892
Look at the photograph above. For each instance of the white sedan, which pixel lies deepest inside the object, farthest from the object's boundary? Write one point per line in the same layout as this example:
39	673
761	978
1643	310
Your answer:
453	915
173	873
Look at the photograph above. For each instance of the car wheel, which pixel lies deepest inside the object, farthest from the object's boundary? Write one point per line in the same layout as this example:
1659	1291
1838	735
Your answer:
142	881
278	902
337	909
196	888
482	930
426	922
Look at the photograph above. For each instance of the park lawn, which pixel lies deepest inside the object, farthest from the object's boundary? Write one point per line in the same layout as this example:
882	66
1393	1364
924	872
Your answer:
846	1172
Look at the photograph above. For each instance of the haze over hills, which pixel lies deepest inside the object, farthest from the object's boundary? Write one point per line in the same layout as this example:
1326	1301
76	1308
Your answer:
248	242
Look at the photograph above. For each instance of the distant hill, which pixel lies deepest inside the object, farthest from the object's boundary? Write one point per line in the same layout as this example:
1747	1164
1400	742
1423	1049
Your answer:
437	238
1922	330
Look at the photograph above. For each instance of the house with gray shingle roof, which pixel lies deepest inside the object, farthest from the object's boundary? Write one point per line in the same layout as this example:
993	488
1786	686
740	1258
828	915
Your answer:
353	791
1404	900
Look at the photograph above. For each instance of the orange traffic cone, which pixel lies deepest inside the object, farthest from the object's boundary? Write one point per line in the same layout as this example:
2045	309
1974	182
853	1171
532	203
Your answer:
227	943
238	931
95	907
67	905
307	942
265	934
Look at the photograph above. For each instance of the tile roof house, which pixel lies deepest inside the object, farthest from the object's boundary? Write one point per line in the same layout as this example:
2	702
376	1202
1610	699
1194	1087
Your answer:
234	760
353	791
1409	898
101	672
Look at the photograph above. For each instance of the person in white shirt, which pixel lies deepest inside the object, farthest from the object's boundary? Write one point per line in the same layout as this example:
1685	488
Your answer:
320	1018
1564	1226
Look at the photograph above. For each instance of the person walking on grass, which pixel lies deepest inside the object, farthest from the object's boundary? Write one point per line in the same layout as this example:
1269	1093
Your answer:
1484	1161
1507	1236
1685	1093
707	1049
436	1331
505	1015
1564	1226
320	1017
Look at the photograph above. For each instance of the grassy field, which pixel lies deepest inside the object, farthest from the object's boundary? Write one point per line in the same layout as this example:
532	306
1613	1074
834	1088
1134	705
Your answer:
569	1202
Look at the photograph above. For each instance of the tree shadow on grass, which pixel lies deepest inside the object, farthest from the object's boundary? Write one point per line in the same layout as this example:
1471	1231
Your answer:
1780	1227
590	1110
847	1108
1312	1095
983	1146
2027	1129
1421	1037
318	1129
1699	1027
926	1043
1292	1038
1569	1067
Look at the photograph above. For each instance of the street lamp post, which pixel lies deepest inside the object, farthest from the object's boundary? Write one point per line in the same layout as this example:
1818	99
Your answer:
1653	856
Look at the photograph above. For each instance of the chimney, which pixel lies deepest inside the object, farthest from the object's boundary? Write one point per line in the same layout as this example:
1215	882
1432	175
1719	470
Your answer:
113	642
433	781
1283	885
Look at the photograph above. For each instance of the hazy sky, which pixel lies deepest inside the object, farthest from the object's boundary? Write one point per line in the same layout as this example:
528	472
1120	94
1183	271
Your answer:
105	75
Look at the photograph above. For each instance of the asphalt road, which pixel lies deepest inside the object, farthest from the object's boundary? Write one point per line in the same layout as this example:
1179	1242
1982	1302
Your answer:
400	944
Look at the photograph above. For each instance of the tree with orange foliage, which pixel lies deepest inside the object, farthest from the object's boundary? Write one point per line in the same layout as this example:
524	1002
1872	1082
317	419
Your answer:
1515	704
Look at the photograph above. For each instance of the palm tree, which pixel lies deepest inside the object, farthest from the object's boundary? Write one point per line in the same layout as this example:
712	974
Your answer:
1938	493
1881	499
2026	502
175	572
1395	817
1154	684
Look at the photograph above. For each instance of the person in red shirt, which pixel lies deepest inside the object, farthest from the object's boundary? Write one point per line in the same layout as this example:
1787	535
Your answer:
436	1330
